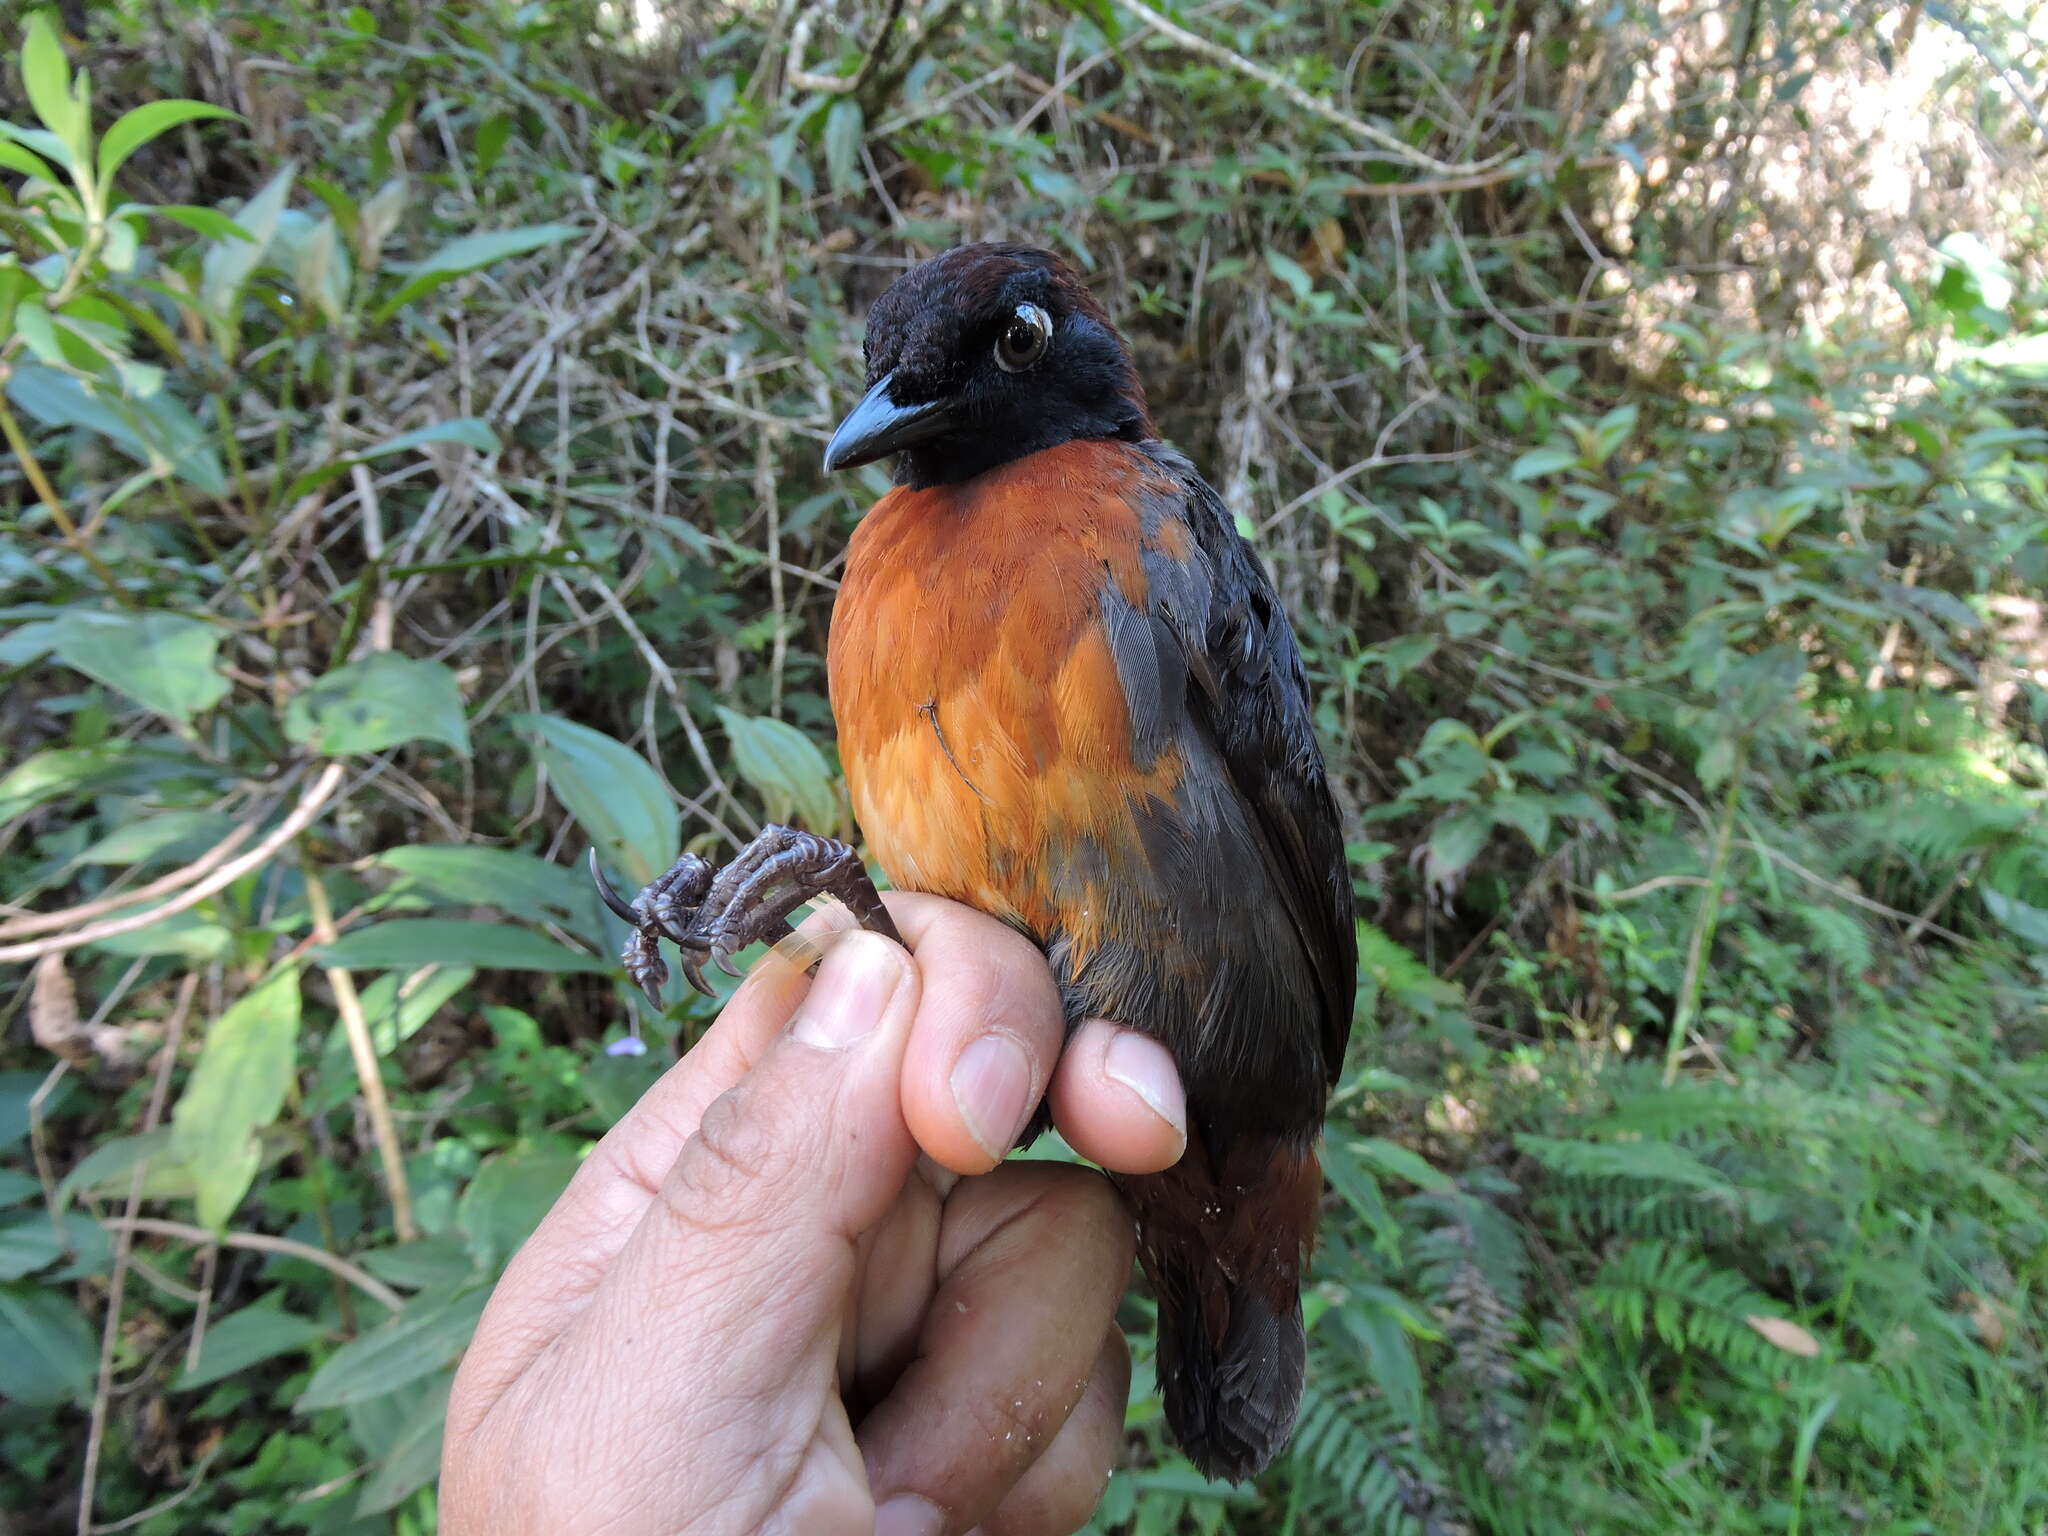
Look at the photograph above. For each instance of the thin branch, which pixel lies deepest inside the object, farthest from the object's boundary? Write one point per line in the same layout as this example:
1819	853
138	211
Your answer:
310	805
50	922
263	1242
364	1050
117	1288
1357	127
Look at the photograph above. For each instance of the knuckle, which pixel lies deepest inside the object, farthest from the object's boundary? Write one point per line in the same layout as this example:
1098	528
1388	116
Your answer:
731	1153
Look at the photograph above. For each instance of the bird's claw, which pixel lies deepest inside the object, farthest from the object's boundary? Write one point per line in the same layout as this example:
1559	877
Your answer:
707	914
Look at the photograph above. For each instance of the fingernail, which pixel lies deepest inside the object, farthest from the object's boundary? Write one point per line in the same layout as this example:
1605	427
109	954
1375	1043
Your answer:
851	994
909	1515
1144	1066
992	1091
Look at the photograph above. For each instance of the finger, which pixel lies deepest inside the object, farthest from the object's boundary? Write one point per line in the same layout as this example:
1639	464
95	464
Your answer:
1032	1261
550	1279
1117	1099
988	1035
806	1147
1059	1491
787	1169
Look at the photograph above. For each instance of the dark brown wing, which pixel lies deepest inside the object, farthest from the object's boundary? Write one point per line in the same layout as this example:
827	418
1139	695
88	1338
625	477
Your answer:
1249	696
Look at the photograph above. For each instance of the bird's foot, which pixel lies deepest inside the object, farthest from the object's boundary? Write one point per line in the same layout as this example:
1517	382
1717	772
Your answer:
709	915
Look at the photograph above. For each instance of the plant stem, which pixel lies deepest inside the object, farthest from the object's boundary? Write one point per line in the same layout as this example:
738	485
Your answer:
1705	918
46	493
368	1074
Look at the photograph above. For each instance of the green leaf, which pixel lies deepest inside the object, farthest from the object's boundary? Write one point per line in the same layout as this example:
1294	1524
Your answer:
513	882
44	144
414	1459
615	797
1361	1191
1390	1353
14	157
321	271
236	1090
397	1003
441	1260
29	642
470	431
46	76
184	933
1397	1161
1290	272
47	1354
1717	762
1612	430
228	264
467	255
404	943
163	661
381	701
788	770
17	1089
427	1335
210	222
2023	920
508	1197
172	834
109	1169
614	1084
1542	461
138	126
16	1187
1455	841
156	430
30	1240
258	1332
844	126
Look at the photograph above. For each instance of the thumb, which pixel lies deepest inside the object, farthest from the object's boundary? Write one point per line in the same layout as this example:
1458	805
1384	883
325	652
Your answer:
789	1166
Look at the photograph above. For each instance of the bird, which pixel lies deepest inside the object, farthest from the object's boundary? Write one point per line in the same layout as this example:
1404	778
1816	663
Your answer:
1066	693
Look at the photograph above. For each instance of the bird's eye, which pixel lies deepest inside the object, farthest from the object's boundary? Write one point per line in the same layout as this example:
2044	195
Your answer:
1024	339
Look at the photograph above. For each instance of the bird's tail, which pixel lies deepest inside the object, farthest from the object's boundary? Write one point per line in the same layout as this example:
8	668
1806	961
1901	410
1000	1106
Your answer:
1224	1246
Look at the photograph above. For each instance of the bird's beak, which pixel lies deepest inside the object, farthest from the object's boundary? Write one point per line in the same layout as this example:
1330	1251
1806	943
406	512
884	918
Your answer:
878	427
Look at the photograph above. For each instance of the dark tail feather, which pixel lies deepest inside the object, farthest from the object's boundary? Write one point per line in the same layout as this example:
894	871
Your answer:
1227	1275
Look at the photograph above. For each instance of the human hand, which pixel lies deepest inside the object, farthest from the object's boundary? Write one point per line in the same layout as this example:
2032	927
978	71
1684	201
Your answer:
756	1308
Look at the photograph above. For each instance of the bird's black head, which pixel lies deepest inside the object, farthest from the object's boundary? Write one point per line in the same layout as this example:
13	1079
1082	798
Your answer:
980	356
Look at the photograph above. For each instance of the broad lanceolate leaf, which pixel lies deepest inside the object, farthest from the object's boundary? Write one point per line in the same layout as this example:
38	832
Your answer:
788	770
47	78
470	431
844	123
508	1197
1538	462
236	1090
513	882
415	1455
227	266
156	430
137	127
47	1355
163	661
427	1335
467	255
406	943
380	701
242	1339
614	796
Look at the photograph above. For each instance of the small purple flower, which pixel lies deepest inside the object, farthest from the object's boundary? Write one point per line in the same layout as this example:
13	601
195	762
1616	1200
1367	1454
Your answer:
630	1045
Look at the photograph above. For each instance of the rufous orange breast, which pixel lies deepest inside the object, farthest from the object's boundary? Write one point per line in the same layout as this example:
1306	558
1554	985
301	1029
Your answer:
981	720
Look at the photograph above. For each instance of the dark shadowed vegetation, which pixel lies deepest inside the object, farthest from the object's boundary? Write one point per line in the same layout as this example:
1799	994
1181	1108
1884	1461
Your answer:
412	481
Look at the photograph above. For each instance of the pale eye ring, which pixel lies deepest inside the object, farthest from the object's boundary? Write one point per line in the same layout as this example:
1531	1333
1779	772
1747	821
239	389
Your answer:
1024	339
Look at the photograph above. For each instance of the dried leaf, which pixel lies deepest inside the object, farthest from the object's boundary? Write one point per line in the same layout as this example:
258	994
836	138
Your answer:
1786	1334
